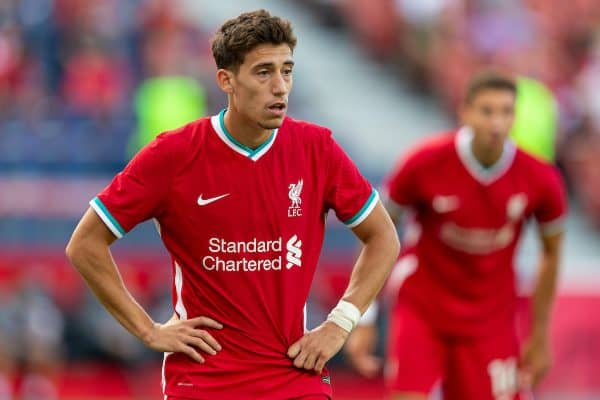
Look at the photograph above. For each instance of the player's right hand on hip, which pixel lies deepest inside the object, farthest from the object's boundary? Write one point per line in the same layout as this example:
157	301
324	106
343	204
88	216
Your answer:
316	347
185	336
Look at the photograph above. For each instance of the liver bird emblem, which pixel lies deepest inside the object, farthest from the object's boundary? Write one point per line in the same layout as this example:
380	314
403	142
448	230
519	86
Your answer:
294	193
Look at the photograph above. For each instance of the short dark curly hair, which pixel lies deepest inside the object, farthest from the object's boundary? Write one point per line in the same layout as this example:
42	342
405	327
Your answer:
238	36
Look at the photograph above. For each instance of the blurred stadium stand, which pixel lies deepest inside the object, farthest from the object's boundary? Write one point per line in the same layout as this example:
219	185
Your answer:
381	73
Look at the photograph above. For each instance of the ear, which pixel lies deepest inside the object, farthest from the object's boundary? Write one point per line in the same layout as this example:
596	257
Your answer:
224	80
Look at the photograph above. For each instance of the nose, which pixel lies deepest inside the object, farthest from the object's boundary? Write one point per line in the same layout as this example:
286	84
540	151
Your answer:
280	85
499	122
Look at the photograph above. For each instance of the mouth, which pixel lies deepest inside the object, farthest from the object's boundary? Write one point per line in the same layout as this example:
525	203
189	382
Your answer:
277	108
497	136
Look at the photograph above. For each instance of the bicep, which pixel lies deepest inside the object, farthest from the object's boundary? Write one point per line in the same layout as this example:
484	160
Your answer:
92	230
551	243
377	223
394	210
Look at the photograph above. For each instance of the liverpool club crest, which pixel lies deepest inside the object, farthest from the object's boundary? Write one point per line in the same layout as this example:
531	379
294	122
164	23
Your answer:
295	190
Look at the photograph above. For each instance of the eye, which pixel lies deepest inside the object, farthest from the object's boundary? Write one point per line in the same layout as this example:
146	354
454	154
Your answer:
486	111
287	72
263	73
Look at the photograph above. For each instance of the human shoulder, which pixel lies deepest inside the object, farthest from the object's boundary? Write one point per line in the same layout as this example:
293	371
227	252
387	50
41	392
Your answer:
540	171
172	150
429	151
185	134
307	130
178	142
534	164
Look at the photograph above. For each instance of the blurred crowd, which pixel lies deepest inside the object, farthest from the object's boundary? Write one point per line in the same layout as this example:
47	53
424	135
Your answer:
438	44
78	83
82	83
69	71
50	322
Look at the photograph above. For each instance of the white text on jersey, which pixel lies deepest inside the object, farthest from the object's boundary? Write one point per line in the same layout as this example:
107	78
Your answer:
253	255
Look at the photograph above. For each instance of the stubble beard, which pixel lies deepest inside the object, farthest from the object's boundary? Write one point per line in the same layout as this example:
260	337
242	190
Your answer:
270	126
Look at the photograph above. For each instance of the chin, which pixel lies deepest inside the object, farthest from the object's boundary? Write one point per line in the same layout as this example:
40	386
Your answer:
271	124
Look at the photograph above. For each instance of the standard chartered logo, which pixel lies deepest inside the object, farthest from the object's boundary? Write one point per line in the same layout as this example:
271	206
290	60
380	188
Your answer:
253	255
294	253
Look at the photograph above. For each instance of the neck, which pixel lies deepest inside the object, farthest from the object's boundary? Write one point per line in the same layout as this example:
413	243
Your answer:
486	156
245	132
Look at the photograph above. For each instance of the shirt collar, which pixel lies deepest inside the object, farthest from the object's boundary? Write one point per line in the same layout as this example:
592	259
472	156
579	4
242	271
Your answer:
218	124
463	140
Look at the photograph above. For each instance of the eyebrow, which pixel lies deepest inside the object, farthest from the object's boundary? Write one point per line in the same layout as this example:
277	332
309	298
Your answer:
288	63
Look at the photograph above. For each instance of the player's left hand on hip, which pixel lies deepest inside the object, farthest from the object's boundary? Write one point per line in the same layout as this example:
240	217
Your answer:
316	347
535	360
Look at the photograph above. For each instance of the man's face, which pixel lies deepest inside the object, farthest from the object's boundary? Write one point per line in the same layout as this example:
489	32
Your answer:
490	114
261	86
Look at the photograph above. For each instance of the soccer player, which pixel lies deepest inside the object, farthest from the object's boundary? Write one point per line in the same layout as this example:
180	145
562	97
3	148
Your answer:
469	193
240	201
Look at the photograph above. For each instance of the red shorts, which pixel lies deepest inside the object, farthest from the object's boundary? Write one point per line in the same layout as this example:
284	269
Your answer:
479	368
308	397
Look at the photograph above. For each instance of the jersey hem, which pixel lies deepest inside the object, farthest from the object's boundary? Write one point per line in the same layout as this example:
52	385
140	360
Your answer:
291	393
365	210
107	218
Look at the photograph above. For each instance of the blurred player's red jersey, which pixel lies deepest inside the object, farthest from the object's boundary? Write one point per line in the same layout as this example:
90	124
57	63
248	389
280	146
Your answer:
245	229
466	224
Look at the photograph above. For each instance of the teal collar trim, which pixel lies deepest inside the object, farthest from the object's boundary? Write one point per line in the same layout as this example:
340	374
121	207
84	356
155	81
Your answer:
218	122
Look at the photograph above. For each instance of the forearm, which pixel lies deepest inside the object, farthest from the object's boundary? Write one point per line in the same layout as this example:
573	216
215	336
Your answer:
371	270
98	269
543	292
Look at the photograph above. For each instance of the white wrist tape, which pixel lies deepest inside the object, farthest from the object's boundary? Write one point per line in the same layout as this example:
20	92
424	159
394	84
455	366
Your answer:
345	315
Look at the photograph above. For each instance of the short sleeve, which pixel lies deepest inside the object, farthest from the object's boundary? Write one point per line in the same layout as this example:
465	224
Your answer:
138	192
401	184
348	193
551	209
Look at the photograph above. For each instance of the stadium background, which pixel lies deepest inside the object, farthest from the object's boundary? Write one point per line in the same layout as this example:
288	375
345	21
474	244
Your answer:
76	83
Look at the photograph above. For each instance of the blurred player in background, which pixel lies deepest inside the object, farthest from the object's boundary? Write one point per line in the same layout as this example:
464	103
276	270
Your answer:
468	194
240	200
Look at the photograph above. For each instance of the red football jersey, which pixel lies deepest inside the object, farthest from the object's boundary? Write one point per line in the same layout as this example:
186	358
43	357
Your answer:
244	228
466	221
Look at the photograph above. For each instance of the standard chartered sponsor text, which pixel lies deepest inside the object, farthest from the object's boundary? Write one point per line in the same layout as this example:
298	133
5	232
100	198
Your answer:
248	255
219	245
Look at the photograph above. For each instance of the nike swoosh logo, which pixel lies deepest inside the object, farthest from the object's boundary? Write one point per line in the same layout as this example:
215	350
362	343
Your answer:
203	202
